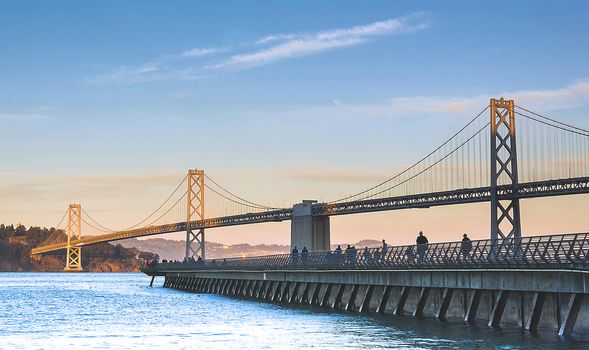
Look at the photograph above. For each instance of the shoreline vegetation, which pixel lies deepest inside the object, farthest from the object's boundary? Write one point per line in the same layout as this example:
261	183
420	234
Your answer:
16	243
15	253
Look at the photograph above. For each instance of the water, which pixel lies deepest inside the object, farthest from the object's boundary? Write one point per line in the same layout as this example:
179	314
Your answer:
103	311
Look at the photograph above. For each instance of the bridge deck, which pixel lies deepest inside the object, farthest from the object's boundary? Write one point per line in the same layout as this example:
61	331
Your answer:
474	195
570	251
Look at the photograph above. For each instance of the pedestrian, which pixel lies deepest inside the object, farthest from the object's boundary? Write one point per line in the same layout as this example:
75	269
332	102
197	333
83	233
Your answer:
376	255
304	255
295	255
385	248
338	254
421	245
366	255
348	254
353	255
466	245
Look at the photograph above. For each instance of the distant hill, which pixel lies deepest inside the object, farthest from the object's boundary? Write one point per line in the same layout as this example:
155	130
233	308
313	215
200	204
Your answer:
175	250
16	244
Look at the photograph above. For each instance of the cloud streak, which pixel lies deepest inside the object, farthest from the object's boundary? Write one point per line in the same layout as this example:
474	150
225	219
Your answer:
13	117
571	96
307	44
268	49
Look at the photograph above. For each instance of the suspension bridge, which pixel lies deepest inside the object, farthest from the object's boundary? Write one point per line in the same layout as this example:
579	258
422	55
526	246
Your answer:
485	161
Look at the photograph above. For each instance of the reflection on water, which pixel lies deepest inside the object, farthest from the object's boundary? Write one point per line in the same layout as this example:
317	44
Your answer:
100	311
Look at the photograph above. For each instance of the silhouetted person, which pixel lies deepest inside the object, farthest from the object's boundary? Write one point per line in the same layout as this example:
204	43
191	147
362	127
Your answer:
466	245
304	254
376	255
348	252
366	255
385	248
421	244
295	255
353	254
338	254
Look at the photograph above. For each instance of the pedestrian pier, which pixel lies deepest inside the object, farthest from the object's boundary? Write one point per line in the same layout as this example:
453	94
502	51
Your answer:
536	283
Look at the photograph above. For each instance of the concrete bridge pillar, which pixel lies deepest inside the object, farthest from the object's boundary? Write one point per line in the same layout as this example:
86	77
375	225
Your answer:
307	230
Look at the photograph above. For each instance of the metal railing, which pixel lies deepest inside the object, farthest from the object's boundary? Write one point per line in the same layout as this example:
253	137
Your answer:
557	251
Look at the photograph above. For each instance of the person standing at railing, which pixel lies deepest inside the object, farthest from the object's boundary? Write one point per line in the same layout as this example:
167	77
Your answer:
366	255
353	255
385	249
465	246
348	254
422	243
338	254
376	255
295	256
304	255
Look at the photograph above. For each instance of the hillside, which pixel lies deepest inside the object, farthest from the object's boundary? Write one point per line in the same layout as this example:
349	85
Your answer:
16	244
175	250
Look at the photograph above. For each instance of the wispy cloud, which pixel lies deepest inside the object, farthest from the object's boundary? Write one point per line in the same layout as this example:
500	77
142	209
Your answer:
33	186
198	52
571	96
146	73
22	117
268	49
275	37
306	44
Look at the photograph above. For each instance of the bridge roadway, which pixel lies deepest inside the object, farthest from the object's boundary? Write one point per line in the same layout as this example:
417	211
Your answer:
472	195
533	282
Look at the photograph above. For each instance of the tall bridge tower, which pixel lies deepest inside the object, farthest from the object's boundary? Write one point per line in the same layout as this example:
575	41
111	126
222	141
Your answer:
505	212
195	210
73	258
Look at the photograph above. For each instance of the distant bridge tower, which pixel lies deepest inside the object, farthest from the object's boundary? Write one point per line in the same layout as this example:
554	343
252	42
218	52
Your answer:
195	211
505	212
73	258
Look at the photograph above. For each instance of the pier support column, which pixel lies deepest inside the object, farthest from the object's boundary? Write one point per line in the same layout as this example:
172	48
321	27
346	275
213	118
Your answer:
305	296
315	297
307	230
285	292
337	303
276	296
352	302
421	302
446	299
473	306
571	318
365	307
498	309
536	313
325	300
384	299
269	290
400	309
295	292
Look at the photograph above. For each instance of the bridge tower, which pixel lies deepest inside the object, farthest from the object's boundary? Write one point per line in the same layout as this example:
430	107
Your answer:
195	210
505	212
73	258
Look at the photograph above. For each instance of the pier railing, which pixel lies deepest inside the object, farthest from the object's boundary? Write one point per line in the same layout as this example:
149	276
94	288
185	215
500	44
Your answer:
556	251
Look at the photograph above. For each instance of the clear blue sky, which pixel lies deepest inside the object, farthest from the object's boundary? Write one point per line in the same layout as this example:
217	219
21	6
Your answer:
270	91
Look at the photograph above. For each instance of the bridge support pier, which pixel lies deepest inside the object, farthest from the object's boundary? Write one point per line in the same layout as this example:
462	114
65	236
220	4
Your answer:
195	210
73	258
307	230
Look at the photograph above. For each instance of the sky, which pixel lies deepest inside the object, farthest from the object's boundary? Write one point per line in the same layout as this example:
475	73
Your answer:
108	103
